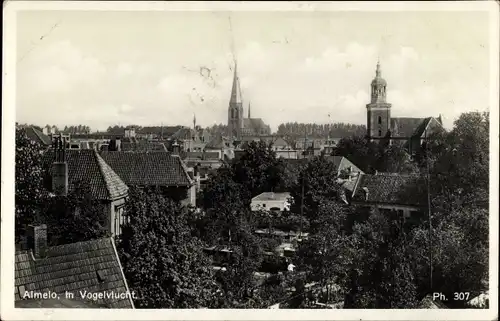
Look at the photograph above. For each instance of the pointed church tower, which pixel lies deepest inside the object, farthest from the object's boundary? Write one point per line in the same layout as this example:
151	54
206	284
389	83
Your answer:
235	110
378	110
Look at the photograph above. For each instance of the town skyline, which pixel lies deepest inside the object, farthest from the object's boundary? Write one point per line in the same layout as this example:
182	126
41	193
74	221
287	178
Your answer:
109	73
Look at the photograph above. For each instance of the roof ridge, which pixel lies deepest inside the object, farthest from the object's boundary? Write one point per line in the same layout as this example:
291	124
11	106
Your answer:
105	166
184	168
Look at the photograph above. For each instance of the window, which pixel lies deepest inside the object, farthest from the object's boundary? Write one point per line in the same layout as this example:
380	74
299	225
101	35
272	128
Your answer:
119	218
380	119
380	133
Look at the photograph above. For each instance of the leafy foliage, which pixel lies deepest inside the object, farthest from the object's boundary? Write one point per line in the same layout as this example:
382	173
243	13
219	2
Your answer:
320	130
162	261
74	218
28	175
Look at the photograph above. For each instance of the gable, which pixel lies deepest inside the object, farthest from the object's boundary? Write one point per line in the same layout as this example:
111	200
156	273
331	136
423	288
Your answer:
86	167
405	126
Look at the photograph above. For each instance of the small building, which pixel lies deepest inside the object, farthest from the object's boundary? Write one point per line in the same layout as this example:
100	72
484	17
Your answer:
66	271
154	169
270	201
392	193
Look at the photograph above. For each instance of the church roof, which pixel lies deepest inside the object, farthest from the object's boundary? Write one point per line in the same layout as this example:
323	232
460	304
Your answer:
254	123
236	90
406	126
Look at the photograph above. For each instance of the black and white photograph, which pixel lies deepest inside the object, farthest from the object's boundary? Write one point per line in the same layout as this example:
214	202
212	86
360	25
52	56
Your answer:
238	158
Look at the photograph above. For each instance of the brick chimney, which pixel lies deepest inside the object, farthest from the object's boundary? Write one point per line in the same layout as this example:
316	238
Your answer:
176	148
37	240
60	168
366	192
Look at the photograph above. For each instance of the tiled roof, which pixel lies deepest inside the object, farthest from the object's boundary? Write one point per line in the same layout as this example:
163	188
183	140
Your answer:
184	133
141	146
86	166
343	163
200	155
389	188
61	303
254	123
148	168
429	303
91	266
37	136
405	126
217	142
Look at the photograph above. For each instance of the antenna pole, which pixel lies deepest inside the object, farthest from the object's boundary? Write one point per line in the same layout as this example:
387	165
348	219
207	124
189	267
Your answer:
429	207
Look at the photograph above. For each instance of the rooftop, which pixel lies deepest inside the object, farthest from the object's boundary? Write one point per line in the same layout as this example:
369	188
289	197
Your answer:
92	266
148	168
86	166
270	196
390	188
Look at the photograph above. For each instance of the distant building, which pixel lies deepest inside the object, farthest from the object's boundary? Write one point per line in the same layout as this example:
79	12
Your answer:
154	169
92	266
38	137
238	125
270	201
409	132
221	145
66	170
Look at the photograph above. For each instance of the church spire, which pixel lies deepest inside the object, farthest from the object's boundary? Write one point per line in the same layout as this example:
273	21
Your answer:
235	91
378	72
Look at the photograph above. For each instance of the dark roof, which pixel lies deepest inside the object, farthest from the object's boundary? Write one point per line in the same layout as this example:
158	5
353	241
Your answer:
217	142
148	168
184	133
200	155
254	123
143	146
343	163
37	136
74	267
405	126
390	188
87	166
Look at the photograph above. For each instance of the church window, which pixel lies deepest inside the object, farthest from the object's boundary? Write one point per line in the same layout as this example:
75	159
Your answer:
380	133
380	119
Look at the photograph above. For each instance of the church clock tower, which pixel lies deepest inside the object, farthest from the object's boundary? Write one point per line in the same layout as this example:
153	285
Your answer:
378	110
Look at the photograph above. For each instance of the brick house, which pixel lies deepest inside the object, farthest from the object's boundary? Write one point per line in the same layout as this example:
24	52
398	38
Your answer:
405	195
154	170
92	266
66	170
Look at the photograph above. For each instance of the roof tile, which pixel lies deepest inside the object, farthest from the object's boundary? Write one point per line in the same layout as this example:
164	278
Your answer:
86	166
77	273
148	168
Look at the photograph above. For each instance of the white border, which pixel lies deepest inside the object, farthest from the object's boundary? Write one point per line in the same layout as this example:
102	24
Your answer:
8	123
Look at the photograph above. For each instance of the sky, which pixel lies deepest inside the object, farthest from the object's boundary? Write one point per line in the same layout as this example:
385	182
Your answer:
101	68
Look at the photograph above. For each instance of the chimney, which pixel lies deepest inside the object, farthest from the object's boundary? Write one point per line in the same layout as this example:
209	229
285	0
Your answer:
37	240
366	192
118	144
176	148
60	168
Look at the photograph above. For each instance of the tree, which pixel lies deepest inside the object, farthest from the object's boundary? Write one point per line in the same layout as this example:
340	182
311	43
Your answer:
360	151
380	275
318	181
162	261
74	218
258	169
395	159
221	190
28	186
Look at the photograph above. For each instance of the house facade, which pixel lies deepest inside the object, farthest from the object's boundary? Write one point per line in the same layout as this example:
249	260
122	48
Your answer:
270	201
